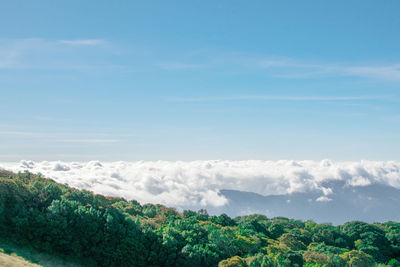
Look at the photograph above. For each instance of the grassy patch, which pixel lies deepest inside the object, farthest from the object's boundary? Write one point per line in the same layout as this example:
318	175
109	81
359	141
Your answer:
12	255
13	260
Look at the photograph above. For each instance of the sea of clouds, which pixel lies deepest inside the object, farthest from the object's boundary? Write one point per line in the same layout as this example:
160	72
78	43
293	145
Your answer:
198	183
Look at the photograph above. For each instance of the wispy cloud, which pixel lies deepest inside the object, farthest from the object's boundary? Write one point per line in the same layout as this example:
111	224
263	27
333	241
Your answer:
38	53
178	65
11	53
89	141
9	60
390	72
66	137
277	98
83	42
71	54
290	68
392	118
44	118
22	133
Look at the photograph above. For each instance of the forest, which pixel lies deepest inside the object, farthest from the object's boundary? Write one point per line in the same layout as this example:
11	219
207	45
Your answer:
96	230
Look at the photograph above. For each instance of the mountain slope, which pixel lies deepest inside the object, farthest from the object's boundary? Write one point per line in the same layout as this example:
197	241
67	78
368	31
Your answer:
370	203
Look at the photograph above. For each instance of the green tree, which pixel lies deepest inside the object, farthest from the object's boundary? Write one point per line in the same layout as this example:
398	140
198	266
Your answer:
235	261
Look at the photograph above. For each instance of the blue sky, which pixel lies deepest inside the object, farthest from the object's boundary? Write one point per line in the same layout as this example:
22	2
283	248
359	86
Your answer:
186	80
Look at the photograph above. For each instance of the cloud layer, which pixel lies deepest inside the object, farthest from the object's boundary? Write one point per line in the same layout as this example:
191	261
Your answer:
198	183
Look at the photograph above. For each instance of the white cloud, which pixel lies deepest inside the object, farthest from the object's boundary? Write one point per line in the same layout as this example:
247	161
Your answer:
197	183
323	199
326	191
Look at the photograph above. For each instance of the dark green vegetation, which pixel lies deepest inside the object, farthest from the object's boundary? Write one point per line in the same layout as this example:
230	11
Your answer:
94	230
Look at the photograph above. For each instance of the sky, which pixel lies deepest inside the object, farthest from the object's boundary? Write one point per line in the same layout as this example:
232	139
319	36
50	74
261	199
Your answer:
199	80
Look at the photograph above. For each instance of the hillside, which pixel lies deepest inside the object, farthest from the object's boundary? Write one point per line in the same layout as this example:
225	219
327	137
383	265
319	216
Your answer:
369	203
95	230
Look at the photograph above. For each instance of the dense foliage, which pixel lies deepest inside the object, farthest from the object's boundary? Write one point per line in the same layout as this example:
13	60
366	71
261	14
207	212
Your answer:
106	231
